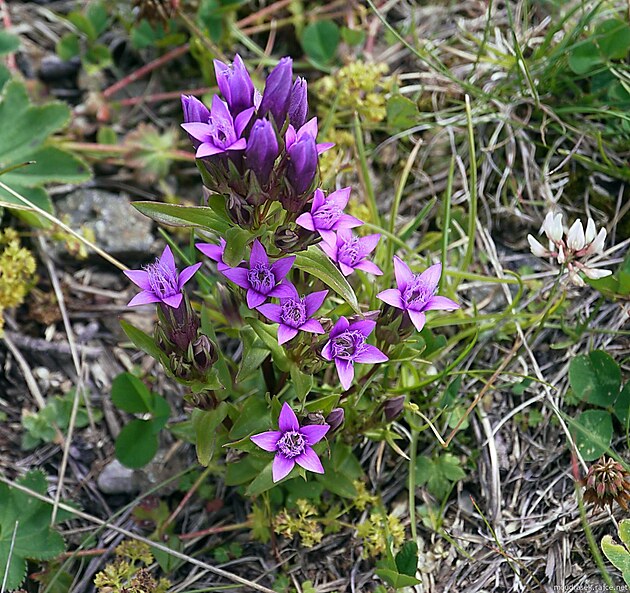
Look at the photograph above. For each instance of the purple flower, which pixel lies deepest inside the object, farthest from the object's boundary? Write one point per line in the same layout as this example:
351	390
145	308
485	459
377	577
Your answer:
416	292
292	444
277	93
221	133
295	313
298	104
302	156
214	252
350	251
347	345
194	110
235	84
262	280
308	129
326	215
160	282
262	150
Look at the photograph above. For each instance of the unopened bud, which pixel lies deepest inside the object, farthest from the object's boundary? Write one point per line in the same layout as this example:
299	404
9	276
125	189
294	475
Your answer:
335	419
204	353
393	407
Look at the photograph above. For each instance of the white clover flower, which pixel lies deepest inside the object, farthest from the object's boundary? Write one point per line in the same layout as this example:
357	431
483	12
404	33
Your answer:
572	248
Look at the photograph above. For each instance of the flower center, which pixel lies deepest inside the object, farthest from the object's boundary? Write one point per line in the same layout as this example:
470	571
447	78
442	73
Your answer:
162	280
293	313
348	253
261	278
348	345
417	293
327	215
221	132
292	444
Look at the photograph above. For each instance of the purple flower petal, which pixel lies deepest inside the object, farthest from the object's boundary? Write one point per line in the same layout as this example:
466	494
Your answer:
255	299
286	333
238	145
324	146
345	370
287	420
237	275
286	290
314	432
347	222
341	326
392	297
271	312
290	137
319	199
305	221
371	354
242	119
214	252
340	197
309	461
431	277
441	303
346	270
187	274
417	318
369	243
366	326
329	250
267	440
310	128
314	301
174	300
313	326
327	351
207	149
139	278
167	259
369	267
198	130
258	255
281	467
331	238
281	267
143	298
403	274
220	110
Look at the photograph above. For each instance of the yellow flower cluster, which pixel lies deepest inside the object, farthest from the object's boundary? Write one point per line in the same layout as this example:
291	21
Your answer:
17	268
301	523
376	530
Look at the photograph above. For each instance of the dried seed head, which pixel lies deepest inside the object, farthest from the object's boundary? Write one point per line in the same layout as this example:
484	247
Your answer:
607	481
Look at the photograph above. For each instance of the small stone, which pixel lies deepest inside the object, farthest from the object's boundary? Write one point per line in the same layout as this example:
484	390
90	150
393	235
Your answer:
117	479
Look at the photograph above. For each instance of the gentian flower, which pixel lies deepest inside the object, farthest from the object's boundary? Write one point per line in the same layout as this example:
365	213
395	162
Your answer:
308	129
235	85
326	215
298	103
292	444
262	280
214	252
295	313
194	110
277	94
347	345
161	282
221	133
262	150
302	157
350	251
416	292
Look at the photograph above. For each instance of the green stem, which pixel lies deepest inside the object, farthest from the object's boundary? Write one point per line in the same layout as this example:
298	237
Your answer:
365	174
413	452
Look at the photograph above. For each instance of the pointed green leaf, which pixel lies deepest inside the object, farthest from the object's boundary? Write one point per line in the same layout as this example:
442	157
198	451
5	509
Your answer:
186	216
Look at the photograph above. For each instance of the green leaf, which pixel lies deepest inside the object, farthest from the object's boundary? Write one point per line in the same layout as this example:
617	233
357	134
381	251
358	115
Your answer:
592	431
402	113
98	15
624	532
96	58
136	444
618	555
8	44
302	383
206	423
68	46
264	481
268	334
184	216
613	38
622	405
142	341
407	559
595	378
254	353
585	57
315	262
353	37
236	240
395	579
254	417
320	41
83	24
130	394
30	519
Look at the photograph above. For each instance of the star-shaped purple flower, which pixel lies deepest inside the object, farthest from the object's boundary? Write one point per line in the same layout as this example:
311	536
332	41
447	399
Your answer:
221	133
416	292
294	314
348	344
326	215
349	252
292	444
262	280
160	282
308	129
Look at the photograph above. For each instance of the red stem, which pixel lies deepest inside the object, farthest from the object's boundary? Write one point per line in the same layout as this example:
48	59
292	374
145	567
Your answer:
165	96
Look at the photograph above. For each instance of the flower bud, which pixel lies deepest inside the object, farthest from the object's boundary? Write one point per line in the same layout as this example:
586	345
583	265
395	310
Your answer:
277	94
178	325
393	407
335	419
302	166
235	85
204	353
240	211
194	110
289	239
262	150
298	104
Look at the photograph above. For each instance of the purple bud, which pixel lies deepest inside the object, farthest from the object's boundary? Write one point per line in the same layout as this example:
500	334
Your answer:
298	105
194	110
302	164
262	150
204	353
235	85
393	407
335	419
277	94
